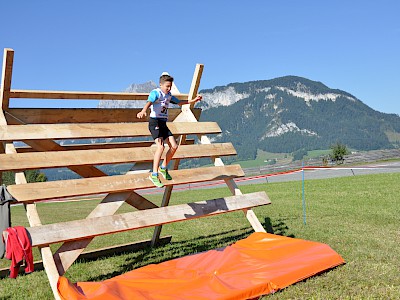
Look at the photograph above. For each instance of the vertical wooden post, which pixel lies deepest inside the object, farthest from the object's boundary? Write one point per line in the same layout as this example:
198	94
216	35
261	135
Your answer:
194	88
2	150
167	196
8	59
182	140
6	75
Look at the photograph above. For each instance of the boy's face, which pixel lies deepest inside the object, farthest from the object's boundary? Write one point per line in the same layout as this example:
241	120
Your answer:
166	86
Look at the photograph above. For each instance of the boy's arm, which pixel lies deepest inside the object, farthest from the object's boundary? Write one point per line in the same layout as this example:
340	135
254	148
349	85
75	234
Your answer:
143	112
153	96
198	98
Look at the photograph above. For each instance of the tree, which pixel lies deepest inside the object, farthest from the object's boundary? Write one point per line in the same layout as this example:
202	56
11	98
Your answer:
338	152
299	154
35	176
8	178
31	176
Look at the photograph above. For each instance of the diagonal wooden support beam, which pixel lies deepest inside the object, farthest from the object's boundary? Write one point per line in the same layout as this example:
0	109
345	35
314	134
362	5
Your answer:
66	255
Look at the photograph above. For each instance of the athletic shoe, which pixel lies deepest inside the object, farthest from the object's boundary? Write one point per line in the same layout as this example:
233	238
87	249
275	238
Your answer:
164	173
156	180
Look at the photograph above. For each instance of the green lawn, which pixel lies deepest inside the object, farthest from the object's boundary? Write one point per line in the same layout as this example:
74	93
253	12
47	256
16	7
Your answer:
357	216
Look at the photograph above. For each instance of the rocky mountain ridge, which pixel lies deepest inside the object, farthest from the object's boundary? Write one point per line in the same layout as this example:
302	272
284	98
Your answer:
288	114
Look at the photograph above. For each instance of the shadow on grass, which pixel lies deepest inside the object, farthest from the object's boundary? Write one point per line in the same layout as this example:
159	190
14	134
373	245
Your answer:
199	244
277	227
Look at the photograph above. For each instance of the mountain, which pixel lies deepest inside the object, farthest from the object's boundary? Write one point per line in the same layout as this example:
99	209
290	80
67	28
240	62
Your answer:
288	114
133	88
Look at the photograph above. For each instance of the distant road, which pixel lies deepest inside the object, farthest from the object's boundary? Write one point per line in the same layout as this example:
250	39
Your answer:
386	167
296	175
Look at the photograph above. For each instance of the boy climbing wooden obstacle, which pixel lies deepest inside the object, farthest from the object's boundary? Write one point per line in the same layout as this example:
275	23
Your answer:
158	101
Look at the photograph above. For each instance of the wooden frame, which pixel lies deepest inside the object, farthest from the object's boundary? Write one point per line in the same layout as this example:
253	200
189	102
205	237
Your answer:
41	129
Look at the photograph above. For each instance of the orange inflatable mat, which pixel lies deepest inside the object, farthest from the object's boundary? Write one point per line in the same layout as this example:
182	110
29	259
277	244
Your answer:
257	265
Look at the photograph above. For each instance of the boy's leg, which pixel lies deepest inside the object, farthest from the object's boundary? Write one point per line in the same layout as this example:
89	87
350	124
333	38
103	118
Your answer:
172	149
156	162
157	155
173	146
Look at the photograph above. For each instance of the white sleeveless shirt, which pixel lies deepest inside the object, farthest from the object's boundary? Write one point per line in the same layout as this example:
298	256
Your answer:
160	103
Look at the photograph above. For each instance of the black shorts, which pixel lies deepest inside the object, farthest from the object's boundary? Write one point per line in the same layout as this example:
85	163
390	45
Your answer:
159	129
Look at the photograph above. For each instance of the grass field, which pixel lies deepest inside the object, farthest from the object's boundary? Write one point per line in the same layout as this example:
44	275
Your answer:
357	216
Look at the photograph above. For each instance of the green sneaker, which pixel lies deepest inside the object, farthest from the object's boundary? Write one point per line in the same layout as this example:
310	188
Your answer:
156	180
164	173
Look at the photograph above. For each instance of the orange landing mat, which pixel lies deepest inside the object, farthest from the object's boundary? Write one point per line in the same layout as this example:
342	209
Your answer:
257	265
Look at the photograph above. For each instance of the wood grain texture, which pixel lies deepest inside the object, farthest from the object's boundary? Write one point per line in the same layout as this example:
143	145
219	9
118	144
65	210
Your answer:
6	75
75	230
57	159
81	115
98	130
78	95
113	184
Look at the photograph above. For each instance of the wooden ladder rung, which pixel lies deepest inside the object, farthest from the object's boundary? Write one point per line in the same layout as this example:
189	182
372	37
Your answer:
56	159
98	130
31	192
107	145
17	116
74	230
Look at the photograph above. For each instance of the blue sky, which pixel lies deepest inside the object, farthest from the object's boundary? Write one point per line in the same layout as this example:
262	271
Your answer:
107	45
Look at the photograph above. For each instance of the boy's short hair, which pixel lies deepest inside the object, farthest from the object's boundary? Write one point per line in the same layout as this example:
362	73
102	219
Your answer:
164	78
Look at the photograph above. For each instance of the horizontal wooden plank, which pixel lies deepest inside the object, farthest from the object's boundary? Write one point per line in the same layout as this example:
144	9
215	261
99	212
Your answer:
81	115
36	191
99	130
78	95
88	228
83	146
49	145
110	145
56	159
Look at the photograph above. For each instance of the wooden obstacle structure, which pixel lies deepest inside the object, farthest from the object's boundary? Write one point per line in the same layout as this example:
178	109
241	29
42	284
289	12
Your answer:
41	129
